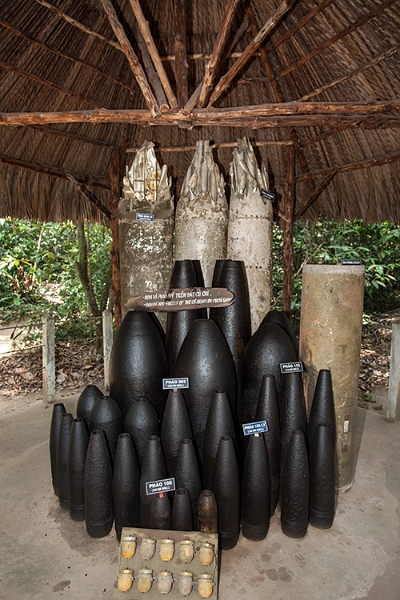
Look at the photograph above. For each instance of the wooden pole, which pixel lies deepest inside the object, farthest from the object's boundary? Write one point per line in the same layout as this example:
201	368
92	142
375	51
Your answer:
114	202
107	345
181	61
393	406
89	196
49	359
152	73
287	246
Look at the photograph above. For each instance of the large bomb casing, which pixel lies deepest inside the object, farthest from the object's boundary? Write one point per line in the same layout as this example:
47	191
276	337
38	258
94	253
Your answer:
146	225
126	485
201	220
98	486
250	228
77	449
330	338
56	416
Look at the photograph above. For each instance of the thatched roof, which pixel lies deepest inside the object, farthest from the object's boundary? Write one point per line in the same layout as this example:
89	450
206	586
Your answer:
325	80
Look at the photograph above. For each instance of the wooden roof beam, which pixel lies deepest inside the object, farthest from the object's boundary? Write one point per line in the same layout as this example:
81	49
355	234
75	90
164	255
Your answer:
181	61
377	161
89	196
151	73
72	136
132	58
152	49
268	26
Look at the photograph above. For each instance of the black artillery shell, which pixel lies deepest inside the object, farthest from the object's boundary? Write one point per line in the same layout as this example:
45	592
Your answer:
138	363
187	474
256	491
126	485
175	427
78	445
153	469
106	415
226	488
217	272
323	407
207	512
267	410
86	401
295	488
199	272
179	322
281	319
268	347
206	359
219	423
58	412
62	458
293	412
141	421
160	512
322	479
182	519
98	486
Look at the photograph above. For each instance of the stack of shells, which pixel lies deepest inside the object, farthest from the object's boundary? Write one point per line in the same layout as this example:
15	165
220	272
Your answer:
102	459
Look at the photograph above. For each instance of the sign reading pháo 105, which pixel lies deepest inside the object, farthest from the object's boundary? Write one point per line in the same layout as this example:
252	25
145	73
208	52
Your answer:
162	485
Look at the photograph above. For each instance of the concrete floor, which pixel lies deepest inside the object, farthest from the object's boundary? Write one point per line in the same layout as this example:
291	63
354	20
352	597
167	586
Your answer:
45	555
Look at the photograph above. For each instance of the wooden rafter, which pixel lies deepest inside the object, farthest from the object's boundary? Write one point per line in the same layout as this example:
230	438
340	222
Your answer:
132	58
289	202
72	136
151	73
270	24
181	61
324	135
260	144
315	195
115	194
212	65
89	196
152	49
377	161
367	17
51	85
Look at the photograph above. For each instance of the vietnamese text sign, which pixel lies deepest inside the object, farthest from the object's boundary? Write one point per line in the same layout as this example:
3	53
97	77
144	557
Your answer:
181	299
162	485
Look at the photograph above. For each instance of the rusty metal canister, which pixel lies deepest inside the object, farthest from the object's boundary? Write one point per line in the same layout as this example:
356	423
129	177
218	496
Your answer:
77	449
207	512
126	485
56	415
330	338
98	486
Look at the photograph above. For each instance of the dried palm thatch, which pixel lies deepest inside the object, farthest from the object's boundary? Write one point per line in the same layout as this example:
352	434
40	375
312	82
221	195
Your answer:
82	79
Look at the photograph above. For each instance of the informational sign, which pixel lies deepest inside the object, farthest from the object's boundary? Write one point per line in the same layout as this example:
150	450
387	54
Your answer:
352	261
256	427
175	383
181	299
265	195
145	217
291	367
162	485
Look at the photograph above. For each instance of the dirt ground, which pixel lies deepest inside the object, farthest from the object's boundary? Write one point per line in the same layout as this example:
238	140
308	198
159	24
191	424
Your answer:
78	364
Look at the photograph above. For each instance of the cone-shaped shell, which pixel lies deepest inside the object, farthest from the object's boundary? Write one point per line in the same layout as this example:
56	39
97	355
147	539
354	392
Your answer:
217	272
206	359
268	347
267	410
219	423
141	421
226	488
153	468
293	412
86	401
138	363
179	322
98	486
322	479
160	512
182	519
187	474
175	427
78	445
126	485
207	512
199	272
295	488
62	458
280	318
256	491
323	407
56	415
106	415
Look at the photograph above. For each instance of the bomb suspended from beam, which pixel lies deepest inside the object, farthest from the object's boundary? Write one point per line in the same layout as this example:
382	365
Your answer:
250	227
202	213
146	225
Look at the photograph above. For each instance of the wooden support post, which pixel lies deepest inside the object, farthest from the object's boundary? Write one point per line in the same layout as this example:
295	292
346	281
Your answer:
49	359
287	249
107	345
114	202
393	406
181	61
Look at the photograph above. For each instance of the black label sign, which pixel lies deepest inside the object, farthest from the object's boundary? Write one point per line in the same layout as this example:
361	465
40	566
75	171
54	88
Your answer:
292	367
145	217
162	485
265	195
256	427
175	383
352	261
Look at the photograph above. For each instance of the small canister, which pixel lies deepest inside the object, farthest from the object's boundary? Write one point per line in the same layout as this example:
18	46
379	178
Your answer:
128	546
206	553
186	551
164	582
125	580
144	580
167	548
185	583
147	548
205	585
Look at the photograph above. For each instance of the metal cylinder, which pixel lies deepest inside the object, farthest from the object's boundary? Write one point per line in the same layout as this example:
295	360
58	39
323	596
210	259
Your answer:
330	338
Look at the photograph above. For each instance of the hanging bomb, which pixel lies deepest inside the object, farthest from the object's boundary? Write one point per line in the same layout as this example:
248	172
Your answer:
86	402
58	412
141	421
226	488
256	491
187	474
98	486
62	458
202	213
250	227
295	488
126	485
322	478
146	225
77	449
175	427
